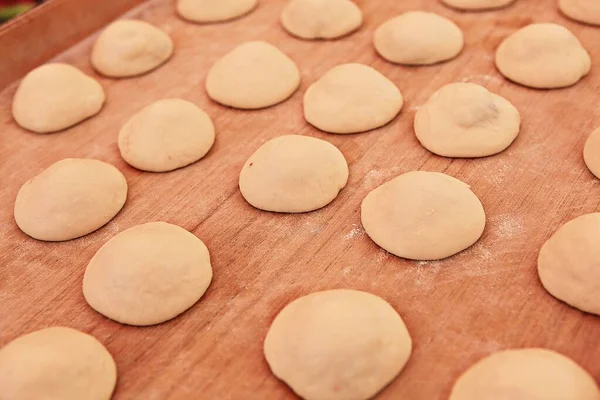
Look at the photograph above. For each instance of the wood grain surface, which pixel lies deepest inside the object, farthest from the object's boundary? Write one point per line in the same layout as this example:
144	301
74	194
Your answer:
458	310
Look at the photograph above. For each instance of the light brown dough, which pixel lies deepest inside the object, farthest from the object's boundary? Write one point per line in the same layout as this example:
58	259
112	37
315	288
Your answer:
587	11
321	19
129	48
525	374
54	97
418	38
166	135
423	216
293	174
206	11
465	120
477	5
147	274
69	199
543	56
591	153
56	363
351	98
337	345
251	76
569	263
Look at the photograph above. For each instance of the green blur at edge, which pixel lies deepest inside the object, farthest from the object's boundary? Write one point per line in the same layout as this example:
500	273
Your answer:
7	13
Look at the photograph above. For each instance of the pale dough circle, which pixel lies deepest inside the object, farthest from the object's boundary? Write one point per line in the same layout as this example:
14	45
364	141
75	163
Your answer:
586	11
337	344
543	56
129	48
476	5
351	98
321	19
54	97
69	199
591	153
166	135
525	374
418	38
423	216
206	11
466	120
253	75
293	174
569	263
56	363
147	274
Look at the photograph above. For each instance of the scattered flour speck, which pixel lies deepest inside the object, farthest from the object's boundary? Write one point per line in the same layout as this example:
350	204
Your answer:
356	231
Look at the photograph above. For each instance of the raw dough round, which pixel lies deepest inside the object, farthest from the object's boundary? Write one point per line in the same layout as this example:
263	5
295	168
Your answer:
525	374
56	363
587	11
54	97
147	274
476	5
543	56
591	153
166	135
69	199
130	47
569	263
423	216
465	120
321	19
253	75
351	98
214	11
418	38
293	174
337	344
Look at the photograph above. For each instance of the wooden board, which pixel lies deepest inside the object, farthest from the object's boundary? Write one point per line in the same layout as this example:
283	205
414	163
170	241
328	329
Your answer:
458	310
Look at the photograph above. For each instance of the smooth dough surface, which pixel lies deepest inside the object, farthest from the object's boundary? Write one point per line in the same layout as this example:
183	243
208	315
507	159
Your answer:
253	75
69	199
423	216
466	120
214	10
321	19
293	174
525	374
569	263
587	11
418	38
337	345
543	56
591	153
166	135
147	274
54	97
475	5
130	47
56	363
351	98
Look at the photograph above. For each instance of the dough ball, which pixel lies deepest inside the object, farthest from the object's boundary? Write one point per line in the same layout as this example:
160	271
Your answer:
587	11
569	263
130	47
525	374
214	10
418	38
293	174
476	5
54	97
465	120
543	56
337	344
147	274
591	153
56	363
351	98
69	199
166	135
423	216
321	19
253	75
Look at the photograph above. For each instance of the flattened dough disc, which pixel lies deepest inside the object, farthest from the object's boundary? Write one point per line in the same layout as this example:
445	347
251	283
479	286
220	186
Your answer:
206	11
321	19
